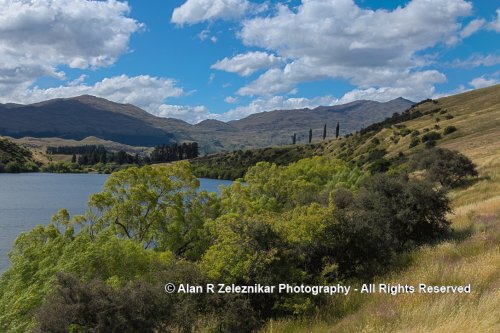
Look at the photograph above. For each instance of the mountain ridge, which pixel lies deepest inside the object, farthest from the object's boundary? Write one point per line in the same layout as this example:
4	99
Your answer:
82	116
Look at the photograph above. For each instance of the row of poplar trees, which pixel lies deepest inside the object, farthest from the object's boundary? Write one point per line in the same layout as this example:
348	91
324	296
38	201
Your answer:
337	133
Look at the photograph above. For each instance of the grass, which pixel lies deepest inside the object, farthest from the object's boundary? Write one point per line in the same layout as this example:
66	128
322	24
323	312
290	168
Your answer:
471	255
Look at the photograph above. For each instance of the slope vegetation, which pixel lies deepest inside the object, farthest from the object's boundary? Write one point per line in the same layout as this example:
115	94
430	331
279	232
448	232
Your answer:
472	255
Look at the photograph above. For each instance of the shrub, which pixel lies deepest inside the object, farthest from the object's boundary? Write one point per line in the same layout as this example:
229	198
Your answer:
447	167
430	144
431	136
12	167
449	116
414	141
449	130
30	167
380	165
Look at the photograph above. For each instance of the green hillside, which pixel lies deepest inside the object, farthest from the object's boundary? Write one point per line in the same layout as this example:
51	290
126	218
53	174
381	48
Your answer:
471	256
15	158
466	122
382	212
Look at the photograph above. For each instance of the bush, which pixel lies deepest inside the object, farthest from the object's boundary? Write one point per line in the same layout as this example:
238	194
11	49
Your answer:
386	217
447	167
30	167
431	136
414	141
13	167
430	144
380	165
449	130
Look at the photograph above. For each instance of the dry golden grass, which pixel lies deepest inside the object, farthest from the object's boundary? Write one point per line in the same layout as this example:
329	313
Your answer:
473	256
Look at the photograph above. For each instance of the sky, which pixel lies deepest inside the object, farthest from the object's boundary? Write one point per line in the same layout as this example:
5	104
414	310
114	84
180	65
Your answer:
226	59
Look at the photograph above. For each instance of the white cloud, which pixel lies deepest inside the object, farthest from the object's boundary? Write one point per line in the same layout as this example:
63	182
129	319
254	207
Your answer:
247	63
482	82
144	91
196	11
38	36
275	103
477	60
338	39
472	27
147	92
190	114
421	86
495	25
231	99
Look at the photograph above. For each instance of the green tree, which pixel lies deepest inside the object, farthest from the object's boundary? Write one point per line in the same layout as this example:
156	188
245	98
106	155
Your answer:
337	130
156	206
310	135
324	132
448	167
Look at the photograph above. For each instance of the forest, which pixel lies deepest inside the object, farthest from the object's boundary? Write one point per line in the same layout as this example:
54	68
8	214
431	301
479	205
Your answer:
317	221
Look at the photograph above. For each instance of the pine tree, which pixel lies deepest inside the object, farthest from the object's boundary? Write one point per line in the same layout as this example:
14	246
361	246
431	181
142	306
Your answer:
337	130
324	132
310	135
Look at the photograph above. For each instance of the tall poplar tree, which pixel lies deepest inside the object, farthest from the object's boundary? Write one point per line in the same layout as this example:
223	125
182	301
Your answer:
337	130
310	135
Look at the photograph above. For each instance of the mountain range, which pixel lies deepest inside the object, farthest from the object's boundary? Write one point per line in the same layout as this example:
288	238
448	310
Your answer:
84	116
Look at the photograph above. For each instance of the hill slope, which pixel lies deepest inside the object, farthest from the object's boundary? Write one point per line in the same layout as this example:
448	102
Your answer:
80	117
471	256
11	152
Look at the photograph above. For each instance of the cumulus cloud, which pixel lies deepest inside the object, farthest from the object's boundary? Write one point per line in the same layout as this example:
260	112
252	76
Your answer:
190	114
247	63
144	91
38	36
275	103
414	86
369	48
147	92
196	11
482	82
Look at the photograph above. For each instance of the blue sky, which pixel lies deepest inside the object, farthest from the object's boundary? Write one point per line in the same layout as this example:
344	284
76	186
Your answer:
226	59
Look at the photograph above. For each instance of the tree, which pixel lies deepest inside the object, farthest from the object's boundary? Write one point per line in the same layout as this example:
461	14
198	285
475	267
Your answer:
73	158
294	138
310	135
324	132
448	167
337	130
158	207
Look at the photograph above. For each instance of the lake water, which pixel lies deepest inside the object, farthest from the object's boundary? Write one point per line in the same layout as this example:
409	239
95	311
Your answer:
29	199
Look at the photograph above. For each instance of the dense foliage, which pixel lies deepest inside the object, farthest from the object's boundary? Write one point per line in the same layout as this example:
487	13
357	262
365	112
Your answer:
316	221
234	165
449	168
174	152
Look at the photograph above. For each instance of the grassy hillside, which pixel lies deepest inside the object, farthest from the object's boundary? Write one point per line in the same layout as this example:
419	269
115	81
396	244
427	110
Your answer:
472	255
466	122
14	156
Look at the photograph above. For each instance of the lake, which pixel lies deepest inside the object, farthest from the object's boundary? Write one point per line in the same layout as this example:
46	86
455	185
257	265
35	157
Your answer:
29	199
